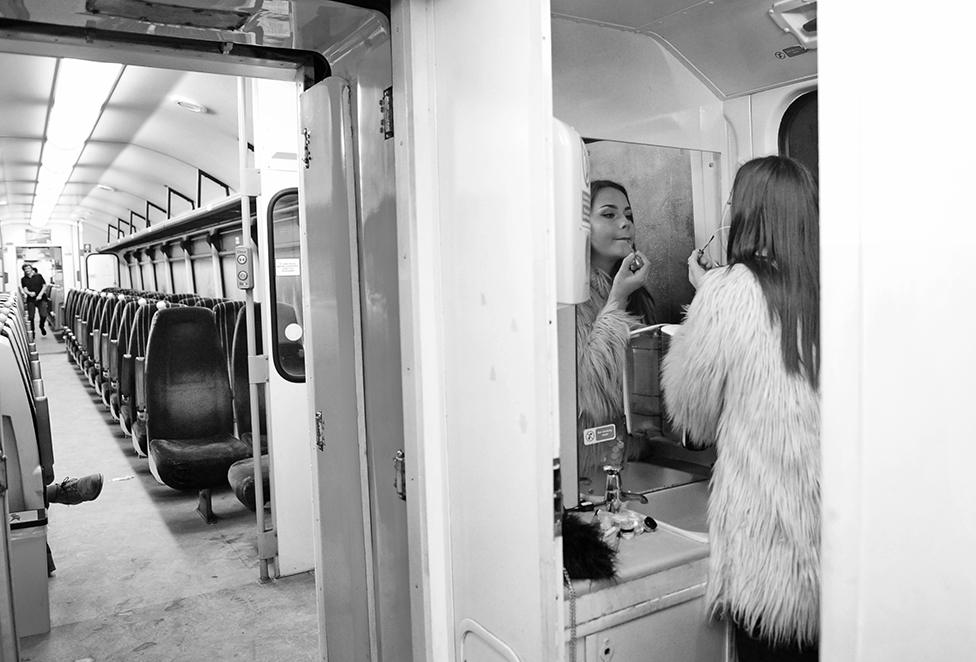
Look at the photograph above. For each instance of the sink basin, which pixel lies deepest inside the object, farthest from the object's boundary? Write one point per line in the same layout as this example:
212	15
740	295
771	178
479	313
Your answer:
682	509
676	498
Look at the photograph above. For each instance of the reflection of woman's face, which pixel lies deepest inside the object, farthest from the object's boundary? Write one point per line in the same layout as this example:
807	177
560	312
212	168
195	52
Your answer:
612	228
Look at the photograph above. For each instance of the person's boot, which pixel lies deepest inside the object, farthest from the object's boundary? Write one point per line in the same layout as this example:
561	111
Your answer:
72	491
43	330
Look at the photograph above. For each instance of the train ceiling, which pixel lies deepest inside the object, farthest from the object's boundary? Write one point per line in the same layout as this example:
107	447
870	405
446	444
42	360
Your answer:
147	153
162	138
736	47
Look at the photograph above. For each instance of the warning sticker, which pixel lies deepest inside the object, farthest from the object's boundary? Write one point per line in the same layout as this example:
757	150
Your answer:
599	435
287	266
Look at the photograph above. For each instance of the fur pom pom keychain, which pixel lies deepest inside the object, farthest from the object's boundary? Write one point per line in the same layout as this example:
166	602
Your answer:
585	554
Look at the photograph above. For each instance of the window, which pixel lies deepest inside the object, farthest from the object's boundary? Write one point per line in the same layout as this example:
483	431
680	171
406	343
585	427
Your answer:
288	350
798	132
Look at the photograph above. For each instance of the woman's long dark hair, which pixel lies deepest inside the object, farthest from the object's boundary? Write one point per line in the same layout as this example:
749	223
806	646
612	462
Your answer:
776	234
641	303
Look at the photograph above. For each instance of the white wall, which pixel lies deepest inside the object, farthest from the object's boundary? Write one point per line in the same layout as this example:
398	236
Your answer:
474	207
899	357
276	133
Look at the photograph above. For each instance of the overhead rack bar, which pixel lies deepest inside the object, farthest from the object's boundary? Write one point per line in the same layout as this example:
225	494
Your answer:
223	212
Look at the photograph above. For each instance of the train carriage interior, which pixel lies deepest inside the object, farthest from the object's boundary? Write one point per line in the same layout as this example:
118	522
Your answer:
306	404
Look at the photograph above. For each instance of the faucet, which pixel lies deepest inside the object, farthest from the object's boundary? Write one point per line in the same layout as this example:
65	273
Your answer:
615	496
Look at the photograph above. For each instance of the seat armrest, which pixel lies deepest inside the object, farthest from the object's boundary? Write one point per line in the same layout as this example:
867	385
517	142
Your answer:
113	359
140	380
126	374
45	449
96	349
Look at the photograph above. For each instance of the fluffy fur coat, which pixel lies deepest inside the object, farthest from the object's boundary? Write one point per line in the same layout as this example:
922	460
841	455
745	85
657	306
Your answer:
601	344
725	383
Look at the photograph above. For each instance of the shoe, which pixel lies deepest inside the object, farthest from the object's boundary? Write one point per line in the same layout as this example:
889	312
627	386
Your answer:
73	491
43	331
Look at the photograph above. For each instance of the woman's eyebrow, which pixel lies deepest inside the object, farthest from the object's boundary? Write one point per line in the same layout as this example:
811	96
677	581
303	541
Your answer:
608	206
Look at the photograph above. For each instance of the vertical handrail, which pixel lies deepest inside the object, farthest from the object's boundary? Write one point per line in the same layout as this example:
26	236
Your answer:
246	162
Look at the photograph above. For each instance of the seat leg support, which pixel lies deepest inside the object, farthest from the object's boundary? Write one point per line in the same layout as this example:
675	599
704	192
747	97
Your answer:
205	506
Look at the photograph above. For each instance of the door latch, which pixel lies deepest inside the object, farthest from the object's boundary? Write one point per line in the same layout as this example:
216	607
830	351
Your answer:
306	152
399	474
557	498
320	431
386	113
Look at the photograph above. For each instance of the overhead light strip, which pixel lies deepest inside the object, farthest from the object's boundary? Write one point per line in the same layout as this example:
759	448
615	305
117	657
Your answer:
81	90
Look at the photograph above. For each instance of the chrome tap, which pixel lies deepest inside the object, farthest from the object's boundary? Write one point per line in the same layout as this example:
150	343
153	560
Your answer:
615	496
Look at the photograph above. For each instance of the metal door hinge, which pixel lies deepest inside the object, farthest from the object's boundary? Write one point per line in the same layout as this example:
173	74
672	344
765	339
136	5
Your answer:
557	498
386	111
320	431
399	474
306	153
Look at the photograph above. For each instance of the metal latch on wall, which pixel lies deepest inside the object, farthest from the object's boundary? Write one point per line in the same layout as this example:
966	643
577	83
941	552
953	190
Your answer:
386	112
557	498
399	474
306	152
320	431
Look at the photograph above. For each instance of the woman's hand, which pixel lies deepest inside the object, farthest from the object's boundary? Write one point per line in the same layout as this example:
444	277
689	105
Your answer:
697	266
626	282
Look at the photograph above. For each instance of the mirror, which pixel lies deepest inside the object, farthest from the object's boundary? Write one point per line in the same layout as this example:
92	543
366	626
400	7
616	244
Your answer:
674	195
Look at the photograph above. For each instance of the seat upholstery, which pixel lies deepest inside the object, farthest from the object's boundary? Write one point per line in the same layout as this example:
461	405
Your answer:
241	474
129	414
189	417
225	314
119	346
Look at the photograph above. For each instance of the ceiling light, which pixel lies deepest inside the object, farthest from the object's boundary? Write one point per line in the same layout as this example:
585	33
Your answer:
81	89
105	187
192	106
3	202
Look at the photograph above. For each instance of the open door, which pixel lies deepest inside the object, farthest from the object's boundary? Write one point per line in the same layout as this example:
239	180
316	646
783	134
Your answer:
101	270
352	370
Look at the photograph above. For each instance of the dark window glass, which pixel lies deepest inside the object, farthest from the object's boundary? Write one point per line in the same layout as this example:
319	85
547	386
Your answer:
798	132
288	347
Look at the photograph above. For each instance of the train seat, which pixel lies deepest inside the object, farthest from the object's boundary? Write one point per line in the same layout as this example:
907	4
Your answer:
119	344
241	479
225	314
134	401
189	416
241	473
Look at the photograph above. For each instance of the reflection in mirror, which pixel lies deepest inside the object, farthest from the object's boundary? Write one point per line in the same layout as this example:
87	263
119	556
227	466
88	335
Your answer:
670	196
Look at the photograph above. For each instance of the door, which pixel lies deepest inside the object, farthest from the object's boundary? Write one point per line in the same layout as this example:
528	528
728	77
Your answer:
352	369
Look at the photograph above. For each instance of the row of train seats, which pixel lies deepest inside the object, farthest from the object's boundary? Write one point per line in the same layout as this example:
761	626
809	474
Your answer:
168	367
25	442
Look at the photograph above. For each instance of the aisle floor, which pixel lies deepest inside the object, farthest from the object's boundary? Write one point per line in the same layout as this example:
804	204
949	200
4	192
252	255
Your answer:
140	576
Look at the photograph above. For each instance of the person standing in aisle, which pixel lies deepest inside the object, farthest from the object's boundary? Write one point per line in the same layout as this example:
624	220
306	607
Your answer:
35	291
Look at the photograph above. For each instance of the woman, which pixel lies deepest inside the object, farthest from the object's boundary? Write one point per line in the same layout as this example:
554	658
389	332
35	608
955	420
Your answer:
743	373
618	301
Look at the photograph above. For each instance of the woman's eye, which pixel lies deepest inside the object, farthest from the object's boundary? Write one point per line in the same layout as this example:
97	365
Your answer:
608	215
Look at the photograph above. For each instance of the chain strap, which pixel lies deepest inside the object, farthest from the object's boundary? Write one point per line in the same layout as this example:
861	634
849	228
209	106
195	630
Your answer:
572	615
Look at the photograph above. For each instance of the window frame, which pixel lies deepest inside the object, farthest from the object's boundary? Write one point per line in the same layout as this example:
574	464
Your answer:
272	290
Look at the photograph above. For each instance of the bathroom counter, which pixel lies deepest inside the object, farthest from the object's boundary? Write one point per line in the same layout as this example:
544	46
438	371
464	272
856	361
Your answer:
655	607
